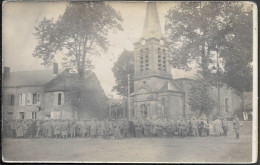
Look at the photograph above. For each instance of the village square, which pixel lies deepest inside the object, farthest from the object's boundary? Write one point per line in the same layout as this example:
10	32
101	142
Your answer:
178	90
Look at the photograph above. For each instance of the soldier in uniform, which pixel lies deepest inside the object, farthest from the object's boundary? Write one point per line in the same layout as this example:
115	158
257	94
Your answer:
194	126
64	129
236	126
39	128
25	128
224	125
19	129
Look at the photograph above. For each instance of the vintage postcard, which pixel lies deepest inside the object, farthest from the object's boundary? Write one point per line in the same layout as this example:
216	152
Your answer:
138	82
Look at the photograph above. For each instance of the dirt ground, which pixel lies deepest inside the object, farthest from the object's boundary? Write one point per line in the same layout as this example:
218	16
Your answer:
176	149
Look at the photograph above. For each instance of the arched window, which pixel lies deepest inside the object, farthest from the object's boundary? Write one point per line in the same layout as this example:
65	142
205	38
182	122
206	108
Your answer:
226	105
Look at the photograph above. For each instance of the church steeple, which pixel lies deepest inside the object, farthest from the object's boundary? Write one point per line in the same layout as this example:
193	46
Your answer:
152	27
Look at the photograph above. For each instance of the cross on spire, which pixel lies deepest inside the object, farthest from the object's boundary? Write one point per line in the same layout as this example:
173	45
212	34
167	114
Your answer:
152	27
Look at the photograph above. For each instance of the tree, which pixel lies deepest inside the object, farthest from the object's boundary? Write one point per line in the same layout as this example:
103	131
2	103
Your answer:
122	67
80	32
237	54
197	29
201	32
199	98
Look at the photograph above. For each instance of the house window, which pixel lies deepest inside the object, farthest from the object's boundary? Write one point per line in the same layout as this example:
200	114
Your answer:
21	115
34	115
11	100
22	98
9	113
58	98
36	98
226	105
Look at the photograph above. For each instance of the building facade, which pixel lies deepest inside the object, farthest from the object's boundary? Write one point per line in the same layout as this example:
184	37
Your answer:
156	93
47	94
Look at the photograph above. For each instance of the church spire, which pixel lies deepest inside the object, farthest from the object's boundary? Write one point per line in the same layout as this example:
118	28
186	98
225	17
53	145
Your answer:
152	27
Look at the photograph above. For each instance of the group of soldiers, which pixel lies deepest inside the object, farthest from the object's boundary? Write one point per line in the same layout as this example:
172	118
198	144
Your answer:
112	129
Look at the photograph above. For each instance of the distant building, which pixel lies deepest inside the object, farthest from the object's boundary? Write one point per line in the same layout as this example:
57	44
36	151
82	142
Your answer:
156	94
46	94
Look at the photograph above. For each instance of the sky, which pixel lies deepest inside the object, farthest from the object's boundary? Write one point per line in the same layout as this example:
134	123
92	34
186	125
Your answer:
18	42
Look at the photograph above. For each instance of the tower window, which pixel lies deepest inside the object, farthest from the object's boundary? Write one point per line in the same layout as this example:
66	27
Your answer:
146	59
141	61
164	60
159	59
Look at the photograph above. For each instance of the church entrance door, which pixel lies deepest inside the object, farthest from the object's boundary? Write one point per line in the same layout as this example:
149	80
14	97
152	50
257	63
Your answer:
144	113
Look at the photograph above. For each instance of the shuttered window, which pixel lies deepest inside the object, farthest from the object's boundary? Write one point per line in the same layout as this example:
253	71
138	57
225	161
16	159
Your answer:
22	99
29	98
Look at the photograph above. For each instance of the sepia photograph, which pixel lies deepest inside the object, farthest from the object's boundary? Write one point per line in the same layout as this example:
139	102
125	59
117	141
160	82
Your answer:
129	82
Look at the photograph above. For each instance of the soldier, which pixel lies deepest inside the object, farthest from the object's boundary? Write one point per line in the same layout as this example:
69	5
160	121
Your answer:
39	127
87	128
64	129
33	129
13	128
217	126
57	128
236	126
72	128
181	126
50	129
93	129
225	125
194	126
19	129
25	128
131	129
81	128
146	128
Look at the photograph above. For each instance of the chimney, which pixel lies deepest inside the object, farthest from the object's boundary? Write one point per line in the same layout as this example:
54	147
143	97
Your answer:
6	73
55	68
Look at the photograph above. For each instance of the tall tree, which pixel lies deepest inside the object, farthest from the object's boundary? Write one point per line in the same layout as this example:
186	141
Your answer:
80	32
122	67
199	98
237	52
200	32
196	29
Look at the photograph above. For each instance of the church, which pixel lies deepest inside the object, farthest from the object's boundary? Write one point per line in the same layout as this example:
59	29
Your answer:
156	93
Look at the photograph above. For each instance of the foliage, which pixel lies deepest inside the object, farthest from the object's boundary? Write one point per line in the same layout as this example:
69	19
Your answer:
80	32
198	29
122	67
199	98
116	109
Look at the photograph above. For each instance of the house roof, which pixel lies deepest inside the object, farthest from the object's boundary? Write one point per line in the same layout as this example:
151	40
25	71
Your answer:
29	78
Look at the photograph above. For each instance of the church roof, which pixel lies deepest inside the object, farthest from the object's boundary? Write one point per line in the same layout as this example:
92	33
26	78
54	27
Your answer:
170	86
152	27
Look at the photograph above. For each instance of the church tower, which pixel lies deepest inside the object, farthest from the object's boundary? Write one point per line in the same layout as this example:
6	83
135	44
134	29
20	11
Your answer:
152	78
151	52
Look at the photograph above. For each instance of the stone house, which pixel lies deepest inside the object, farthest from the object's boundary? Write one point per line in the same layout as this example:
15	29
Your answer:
47	94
